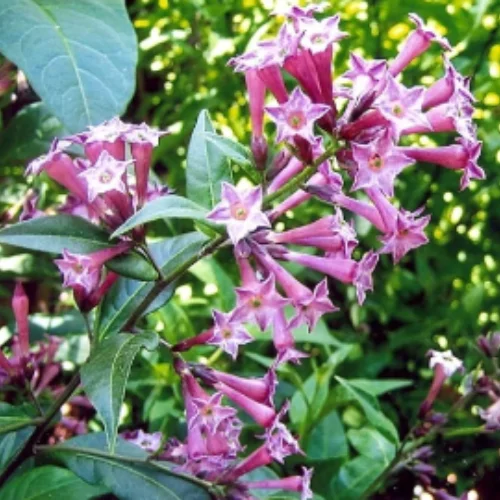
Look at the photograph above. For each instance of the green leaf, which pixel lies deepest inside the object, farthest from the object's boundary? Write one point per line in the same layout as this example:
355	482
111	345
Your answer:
126	294
370	443
105	376
10	443
56	233
231	149
327	440
80	57
379	387
370	407
166	207
124	478
207	166
29	134
12	415
355	477
47	482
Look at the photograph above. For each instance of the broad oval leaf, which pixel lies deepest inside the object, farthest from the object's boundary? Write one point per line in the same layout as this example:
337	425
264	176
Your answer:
11	443
127	294
327	440
105	376
49	481
12	416
29	134
368	442
207	166
55	233
231	149
124	478
80	57
166	207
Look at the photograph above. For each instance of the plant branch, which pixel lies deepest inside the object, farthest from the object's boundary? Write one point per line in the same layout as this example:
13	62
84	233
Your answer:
28	449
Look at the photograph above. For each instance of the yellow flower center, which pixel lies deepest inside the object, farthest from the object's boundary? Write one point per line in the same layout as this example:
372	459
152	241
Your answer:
376	162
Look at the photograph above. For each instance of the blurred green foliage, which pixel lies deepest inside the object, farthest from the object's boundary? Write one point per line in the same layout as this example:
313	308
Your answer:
441	296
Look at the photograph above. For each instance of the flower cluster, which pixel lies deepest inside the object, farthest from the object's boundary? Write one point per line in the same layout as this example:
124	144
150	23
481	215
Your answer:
106	186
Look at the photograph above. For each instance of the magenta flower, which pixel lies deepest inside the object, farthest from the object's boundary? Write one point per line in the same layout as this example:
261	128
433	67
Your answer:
363	280
296	13
229	333
79	271
407	235
284	342
259	302
30	210
240	212
106	175
378	164
364	74
418	41
318	36
491	416
210	414
401	107
296	117
148	442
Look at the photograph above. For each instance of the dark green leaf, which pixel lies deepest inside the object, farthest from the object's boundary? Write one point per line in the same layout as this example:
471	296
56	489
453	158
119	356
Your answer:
29	134
355	477
12	415
370	407
49	482
378	387
10	443
126	294
124	478
327	439
231	149
166	207
105	376
80	57
207	166
370	443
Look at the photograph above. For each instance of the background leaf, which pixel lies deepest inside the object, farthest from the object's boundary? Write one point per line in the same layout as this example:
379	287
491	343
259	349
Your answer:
370	443
207	165
80	57
105	376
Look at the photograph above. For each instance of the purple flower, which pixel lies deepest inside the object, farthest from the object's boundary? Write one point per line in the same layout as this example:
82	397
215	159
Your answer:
106	175
240	212
296	117
364	74
378	164
447	360
229	333
363	280
210	414
148	442
79	271
259	301
401	106
418	41
30	210
407	235
491	416
318	36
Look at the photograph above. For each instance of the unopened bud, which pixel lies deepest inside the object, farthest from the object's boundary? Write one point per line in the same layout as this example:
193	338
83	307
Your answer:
259	151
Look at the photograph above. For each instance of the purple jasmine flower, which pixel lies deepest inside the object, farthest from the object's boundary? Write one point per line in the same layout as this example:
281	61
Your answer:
229	333
378	164
364	74
299	484
106	175
210	414
401	107
363	280
259	302
296	117
491	416
78	271
319	36
418	41
148	442
240	212
30	210
408	234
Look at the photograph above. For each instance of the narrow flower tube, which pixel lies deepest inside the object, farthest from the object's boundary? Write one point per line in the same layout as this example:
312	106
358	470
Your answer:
259	458
20	306
142	153
294	167
200	339
300	484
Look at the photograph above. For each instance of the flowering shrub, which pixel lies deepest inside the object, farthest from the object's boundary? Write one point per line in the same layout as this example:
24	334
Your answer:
343	140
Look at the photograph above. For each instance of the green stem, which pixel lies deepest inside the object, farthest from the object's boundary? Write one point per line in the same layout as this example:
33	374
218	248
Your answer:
121	458
28	448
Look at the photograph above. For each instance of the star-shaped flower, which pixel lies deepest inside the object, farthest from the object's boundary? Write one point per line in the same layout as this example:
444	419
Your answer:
346	234
229	333
320	35
363	280
107	174
296	117
210	414
364	74
401	106
259	302
148	442
309	308
472	170
428	33
408	234
378	164
79	271
450	363
240	211
491	416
